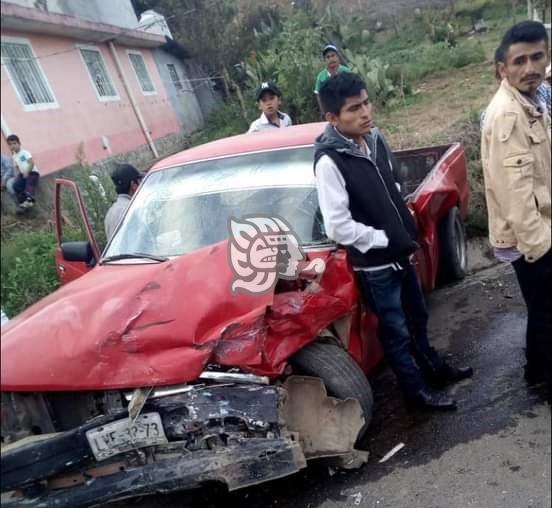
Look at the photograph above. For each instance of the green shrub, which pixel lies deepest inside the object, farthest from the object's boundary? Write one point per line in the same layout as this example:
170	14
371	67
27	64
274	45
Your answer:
377	77
420	61
28	269
477	223
389	64
98	194
292	61
356	34
225	120
409	34
442	34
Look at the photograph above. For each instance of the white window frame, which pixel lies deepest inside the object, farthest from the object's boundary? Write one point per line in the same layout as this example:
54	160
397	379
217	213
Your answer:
30	107
90	47
134	52
178	91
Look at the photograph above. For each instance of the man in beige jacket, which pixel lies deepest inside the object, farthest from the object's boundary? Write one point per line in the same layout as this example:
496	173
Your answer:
515	152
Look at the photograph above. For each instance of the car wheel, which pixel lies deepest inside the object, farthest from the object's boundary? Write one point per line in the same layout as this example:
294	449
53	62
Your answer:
341	375
454	247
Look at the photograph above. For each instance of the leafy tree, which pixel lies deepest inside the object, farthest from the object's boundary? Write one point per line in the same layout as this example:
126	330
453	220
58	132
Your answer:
218	33
293	61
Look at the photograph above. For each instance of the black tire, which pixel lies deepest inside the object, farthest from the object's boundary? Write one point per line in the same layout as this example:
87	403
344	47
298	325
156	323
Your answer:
453	257
341	375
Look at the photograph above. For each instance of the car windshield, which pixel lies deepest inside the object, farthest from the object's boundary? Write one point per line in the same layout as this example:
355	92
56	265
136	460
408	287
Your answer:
185	208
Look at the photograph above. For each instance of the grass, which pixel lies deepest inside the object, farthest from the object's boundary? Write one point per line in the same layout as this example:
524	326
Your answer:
28	270
27	264
419	62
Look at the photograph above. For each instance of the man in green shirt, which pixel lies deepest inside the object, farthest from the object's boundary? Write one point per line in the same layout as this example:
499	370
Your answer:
334	66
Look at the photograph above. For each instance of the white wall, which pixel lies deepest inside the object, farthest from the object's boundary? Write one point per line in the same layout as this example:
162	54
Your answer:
113	12
184	102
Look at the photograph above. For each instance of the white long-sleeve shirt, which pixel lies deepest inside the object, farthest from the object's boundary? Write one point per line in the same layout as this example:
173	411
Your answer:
263	123
333	199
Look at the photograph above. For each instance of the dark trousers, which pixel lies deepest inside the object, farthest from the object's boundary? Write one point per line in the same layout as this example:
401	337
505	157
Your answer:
393	295
417	316
535	282
25	187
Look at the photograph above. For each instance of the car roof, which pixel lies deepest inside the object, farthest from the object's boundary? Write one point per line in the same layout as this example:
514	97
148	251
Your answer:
272	139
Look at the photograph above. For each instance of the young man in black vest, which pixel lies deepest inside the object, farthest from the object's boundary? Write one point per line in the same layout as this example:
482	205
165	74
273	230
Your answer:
363	210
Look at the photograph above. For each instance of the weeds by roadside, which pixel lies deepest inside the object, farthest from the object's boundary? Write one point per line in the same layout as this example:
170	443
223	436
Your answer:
27	269
27	263
468	132
477	224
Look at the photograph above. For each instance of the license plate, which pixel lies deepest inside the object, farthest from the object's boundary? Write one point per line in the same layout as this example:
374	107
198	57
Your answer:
121	436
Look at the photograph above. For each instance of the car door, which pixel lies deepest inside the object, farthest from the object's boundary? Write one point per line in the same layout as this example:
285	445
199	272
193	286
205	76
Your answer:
444	187
76	250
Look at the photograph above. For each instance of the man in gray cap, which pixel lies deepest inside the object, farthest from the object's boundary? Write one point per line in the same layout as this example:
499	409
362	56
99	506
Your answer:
333	66
126	179
269	100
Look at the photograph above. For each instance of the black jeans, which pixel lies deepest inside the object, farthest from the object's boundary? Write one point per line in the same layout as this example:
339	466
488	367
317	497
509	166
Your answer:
389	293
417	316
24	187
535	282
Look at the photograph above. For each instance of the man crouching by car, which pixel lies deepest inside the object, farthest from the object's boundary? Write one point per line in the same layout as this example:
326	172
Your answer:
364	211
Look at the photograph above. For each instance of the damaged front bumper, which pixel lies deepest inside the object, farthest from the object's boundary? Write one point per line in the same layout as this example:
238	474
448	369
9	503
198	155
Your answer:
237	466
237	435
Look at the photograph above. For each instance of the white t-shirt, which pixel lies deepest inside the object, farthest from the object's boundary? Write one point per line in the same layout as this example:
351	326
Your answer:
263	123
21	160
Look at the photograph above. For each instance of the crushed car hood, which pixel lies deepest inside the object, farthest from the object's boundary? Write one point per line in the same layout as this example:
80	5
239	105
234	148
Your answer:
131	325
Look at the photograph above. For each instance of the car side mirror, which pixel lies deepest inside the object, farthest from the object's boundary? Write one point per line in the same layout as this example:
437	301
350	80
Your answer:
78	251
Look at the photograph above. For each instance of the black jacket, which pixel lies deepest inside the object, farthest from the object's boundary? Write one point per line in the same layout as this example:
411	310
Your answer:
374	199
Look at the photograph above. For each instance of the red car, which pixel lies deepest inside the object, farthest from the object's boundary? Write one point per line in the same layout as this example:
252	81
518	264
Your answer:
144	372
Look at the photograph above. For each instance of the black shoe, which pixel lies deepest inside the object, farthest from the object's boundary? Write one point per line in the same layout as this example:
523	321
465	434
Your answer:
448	375
428	401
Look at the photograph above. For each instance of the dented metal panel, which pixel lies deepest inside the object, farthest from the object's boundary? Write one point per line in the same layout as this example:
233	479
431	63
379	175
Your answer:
326	426
445	186
152	334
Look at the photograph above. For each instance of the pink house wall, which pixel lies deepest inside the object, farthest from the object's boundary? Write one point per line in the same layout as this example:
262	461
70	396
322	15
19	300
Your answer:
55	135
4	144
